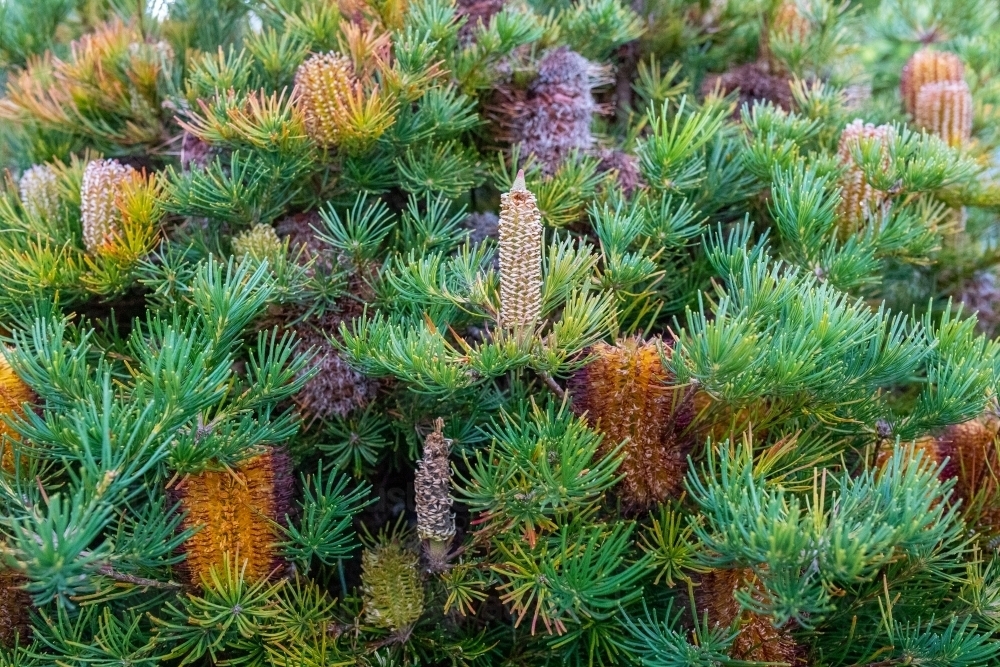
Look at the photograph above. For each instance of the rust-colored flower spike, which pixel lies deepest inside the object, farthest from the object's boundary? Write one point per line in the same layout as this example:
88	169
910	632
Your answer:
757	640
325	84
14	394
15	622
233	511
927	66
432	487
626	394
945	108
858	198
103	181
520	230
39	189
788	20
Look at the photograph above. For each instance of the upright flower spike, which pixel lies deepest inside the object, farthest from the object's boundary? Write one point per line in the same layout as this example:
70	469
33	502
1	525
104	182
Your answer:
432	487
14	393
39	189
15	622
520	231
325	83
927	66
626	394
945	109
858	198
757	640
393	592
103	181
233	511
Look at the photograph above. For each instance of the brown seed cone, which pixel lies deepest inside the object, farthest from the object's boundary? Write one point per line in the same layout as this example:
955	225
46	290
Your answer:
15	603
945	109
927	66
626	394
14	393
432	490
233	510
758	640
754	82
520	230
858	198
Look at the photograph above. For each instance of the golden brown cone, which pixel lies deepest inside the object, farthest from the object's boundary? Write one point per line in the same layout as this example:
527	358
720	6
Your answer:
14	393
626	394
757	639
520	250
858	197
927	66
233	511
944	108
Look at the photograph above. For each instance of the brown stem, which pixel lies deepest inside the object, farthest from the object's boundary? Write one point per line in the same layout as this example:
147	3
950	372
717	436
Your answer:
553	385
112	573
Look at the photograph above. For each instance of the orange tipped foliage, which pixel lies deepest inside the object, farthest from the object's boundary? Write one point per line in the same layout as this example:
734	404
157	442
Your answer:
14	393
626	394
945	108
757	639
233	511
927	66
14	605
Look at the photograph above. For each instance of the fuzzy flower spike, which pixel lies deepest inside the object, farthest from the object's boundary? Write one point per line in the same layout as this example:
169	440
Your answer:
520	230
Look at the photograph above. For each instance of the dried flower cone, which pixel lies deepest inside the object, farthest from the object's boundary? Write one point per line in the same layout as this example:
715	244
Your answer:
233	511
325	82
15	622
103	181
520	231
39	189
752	81
927	66
432	488
14	393
393	592
626	394
945	109
557	114
858	198
757	639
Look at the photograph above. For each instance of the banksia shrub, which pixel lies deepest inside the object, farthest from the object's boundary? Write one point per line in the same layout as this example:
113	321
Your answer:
520	231
39	189
859	200
756	640
924	67
432	488
103	183
627	395
393	592
234	512
944	108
